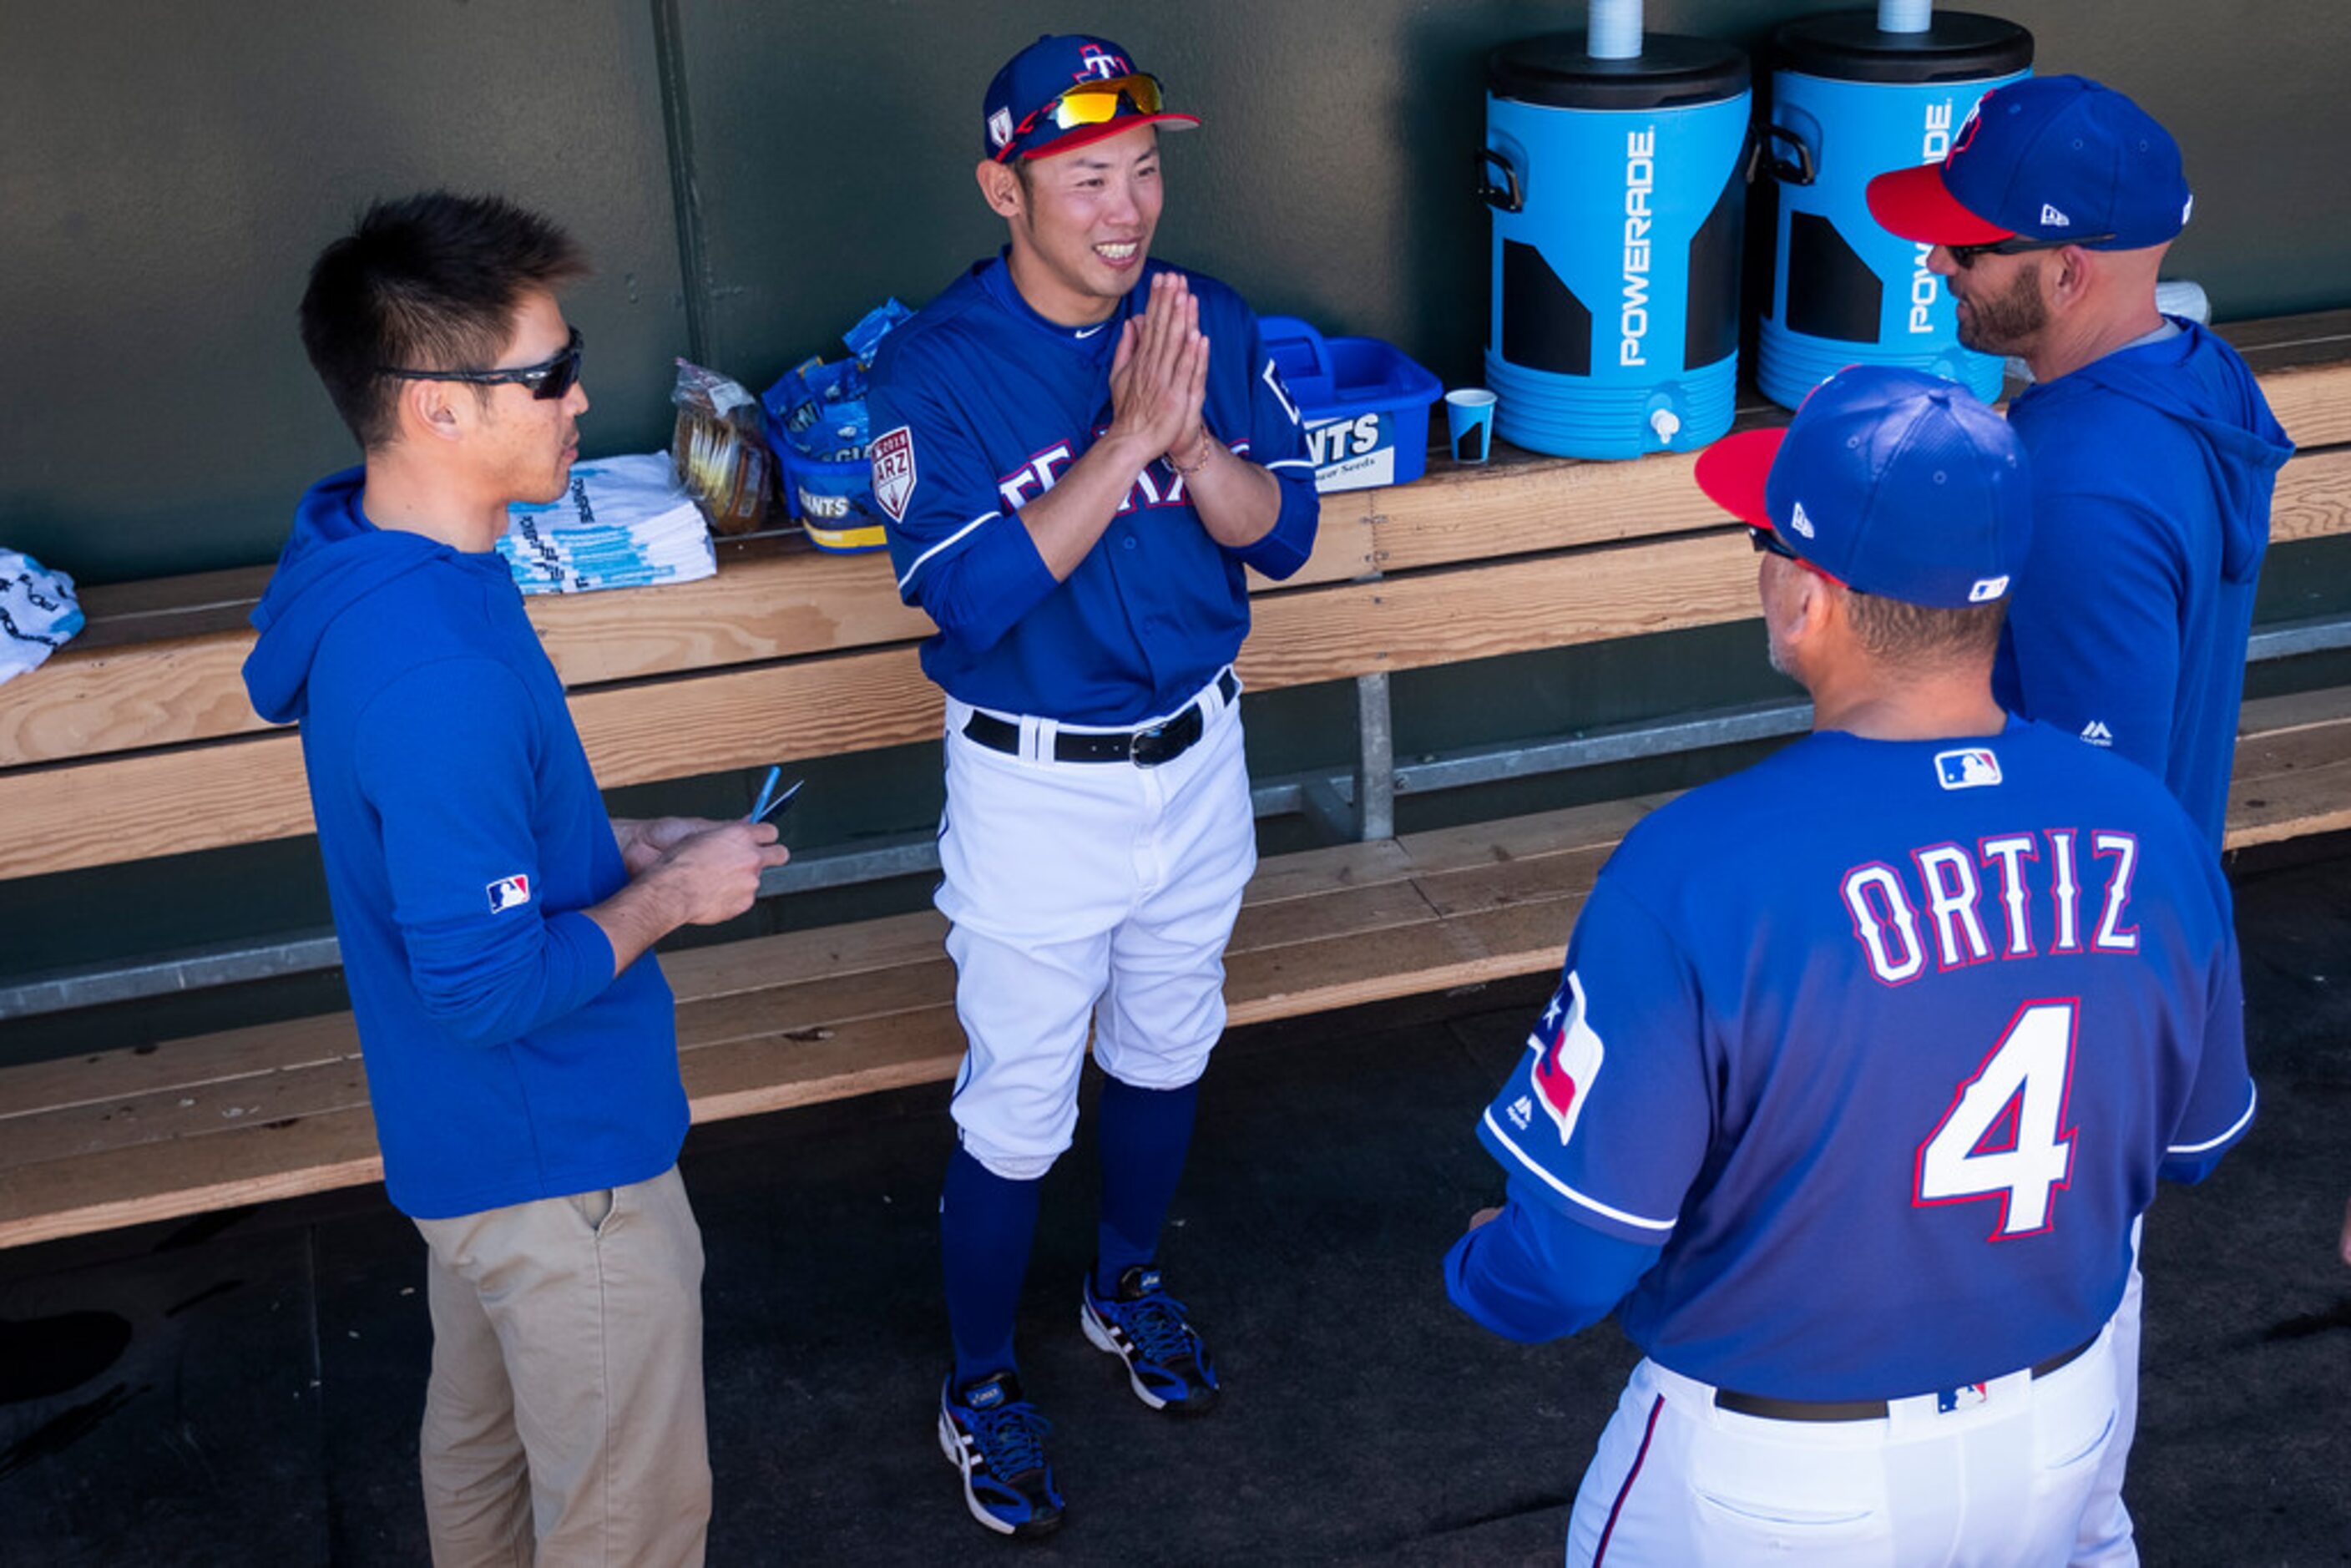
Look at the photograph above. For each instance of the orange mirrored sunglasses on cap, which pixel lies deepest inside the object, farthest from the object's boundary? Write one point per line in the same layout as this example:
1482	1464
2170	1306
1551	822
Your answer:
1089	103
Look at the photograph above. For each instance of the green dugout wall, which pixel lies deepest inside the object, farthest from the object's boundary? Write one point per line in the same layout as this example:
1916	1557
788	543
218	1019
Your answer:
751	175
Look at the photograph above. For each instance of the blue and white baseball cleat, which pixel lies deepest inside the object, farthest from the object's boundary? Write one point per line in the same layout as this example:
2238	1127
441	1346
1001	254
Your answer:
997	1439
1166	1363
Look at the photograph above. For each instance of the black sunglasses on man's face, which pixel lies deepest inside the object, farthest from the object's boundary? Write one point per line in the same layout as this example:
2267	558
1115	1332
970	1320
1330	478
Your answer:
547	379
2017	244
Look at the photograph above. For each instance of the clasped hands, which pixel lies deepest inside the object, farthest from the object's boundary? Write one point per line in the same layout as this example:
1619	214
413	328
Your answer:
1159	378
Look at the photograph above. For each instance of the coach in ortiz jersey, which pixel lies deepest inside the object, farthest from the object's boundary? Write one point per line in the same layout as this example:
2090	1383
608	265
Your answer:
1864	1059
1079	450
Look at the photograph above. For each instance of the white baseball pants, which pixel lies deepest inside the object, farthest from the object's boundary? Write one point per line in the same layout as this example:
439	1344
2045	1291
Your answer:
1677	1483
2106	1539
1086	892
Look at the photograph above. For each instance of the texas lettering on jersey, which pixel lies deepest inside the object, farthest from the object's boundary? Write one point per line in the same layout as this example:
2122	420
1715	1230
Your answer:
1157	486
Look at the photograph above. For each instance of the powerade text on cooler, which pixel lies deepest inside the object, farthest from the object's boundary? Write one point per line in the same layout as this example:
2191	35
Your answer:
1848	102
1619	198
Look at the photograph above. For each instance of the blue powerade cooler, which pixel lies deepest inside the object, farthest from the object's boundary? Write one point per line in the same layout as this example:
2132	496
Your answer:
1848	103
1364	403
1619	201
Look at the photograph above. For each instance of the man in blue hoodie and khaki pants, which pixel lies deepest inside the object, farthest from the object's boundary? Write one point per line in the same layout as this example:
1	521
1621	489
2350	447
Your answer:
2154	456
520	1042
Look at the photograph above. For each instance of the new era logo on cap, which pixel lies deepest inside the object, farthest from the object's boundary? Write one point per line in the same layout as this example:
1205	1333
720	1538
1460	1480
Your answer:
1798	521
2051	218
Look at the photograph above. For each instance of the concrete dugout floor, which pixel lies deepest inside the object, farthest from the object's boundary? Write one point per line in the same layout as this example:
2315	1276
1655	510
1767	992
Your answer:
244	1389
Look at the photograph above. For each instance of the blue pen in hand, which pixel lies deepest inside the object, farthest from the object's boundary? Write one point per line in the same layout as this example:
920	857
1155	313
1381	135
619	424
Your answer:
770	801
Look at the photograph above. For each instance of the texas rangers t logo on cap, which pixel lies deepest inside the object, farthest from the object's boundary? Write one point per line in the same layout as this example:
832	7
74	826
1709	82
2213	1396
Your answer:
1567	1060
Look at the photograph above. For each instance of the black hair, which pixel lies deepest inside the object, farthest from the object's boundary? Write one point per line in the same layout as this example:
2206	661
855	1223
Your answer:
1915	636
428	282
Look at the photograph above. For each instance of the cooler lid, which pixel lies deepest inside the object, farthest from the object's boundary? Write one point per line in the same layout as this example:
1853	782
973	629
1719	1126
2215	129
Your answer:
1845	46
1555	71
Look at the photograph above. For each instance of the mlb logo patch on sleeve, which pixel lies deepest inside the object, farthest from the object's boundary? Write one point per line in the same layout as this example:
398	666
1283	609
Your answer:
508	893
1568	1055
1972	769
893	454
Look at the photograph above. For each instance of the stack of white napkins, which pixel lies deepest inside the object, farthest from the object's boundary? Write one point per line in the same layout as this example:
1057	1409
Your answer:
626	522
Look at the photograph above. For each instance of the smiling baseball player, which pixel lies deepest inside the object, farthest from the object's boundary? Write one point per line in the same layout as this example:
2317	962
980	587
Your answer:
1865	1059
1081	449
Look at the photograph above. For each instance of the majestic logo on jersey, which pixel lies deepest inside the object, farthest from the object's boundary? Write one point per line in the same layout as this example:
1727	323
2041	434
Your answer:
893	454
1968	769
1801	523
508	893
1987	589
2096	733
1567	1058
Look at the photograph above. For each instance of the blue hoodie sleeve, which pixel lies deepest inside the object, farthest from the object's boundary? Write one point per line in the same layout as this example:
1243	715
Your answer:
1532	1274
2093	644
445	759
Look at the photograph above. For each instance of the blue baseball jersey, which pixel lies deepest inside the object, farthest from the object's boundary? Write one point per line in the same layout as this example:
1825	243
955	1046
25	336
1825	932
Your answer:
978	405
1883	1044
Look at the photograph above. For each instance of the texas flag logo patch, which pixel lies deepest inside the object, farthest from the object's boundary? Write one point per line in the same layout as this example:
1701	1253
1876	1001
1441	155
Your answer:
893	454
1972	768
1567	1058
508	893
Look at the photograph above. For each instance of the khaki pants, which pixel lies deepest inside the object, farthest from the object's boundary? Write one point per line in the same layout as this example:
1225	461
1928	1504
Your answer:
564	1421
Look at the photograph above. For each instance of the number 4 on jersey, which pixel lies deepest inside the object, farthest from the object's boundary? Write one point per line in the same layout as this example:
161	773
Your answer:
2005	1135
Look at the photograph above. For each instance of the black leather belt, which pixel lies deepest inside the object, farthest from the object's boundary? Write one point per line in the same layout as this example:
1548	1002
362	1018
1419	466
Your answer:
1143	747
1855	1409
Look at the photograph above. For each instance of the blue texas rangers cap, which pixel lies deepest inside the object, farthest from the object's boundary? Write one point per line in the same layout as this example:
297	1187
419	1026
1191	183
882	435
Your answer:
1891	481
2060	158
1063	91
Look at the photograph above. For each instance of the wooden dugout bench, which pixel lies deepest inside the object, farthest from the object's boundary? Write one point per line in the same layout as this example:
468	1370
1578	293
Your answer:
788	653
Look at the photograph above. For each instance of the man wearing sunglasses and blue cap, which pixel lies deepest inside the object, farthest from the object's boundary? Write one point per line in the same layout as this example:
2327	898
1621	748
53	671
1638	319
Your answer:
520	1041
2154	452
1866	1058
1081	450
